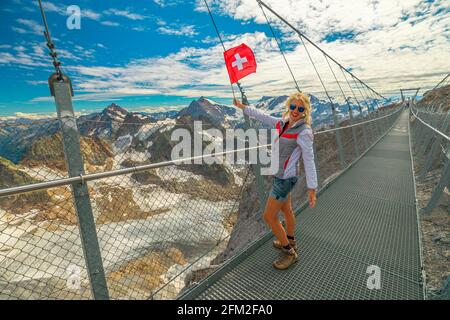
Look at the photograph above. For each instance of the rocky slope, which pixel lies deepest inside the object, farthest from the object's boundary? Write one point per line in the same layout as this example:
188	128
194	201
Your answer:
437	97
215	114
48	150
11	175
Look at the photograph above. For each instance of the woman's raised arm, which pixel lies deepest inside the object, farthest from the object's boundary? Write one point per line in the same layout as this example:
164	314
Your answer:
256	114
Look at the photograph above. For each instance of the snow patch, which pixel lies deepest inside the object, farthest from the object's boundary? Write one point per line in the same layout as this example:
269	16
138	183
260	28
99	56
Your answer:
122	143
173	174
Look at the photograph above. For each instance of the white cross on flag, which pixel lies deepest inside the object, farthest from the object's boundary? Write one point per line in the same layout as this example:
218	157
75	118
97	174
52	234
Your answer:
240	62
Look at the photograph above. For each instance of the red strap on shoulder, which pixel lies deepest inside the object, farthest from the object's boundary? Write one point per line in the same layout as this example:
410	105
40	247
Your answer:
290	135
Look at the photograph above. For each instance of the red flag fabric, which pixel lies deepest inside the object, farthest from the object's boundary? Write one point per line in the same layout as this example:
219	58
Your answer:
240	62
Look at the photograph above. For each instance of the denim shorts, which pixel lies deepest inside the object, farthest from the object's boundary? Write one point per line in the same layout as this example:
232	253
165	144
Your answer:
281	187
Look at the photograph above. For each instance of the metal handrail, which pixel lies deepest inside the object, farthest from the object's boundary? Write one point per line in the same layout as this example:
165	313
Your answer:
107	174
101	175
443	135
359	123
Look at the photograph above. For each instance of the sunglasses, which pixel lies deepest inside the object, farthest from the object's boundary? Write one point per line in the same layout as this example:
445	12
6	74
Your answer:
293	107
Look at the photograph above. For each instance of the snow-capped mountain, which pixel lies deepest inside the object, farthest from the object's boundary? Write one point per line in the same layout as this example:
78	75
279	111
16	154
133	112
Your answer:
123	128
206	109
322	112
107	123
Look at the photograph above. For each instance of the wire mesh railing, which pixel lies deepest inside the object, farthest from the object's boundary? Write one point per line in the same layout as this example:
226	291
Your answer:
160	227
430	133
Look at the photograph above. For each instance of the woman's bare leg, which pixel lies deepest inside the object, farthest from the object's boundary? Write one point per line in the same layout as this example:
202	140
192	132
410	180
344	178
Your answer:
289	216
271	218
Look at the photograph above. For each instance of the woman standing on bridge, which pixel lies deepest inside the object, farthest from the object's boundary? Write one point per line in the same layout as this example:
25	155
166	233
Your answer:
295	140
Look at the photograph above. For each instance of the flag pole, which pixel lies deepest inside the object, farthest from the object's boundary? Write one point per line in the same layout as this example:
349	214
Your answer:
224	49
256	168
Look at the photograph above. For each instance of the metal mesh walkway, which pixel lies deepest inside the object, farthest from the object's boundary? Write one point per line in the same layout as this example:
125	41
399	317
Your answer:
367	217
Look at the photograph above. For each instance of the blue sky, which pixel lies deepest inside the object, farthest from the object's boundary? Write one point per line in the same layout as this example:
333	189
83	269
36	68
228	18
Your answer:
164	53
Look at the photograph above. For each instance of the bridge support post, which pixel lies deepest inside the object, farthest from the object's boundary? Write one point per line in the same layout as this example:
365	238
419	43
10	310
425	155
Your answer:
338	136
376	113
385	121
355	140
62	91
361	117
371	125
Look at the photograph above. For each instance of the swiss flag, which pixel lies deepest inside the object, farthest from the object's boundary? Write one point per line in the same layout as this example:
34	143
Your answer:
240	62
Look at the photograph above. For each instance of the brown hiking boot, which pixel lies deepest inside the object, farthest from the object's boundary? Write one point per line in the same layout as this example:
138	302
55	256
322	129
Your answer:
286	259
293	243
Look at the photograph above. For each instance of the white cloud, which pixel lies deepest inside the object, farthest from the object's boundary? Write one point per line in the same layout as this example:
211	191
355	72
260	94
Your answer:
20	59
20	48
35	54
390	51
51	7
37	82
110	23
90	14
167	3
24	115
19	30
193	72
29	26
125	13
188	31
62	10
139	28
398	43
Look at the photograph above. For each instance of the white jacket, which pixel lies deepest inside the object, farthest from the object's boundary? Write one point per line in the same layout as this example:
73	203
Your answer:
294	142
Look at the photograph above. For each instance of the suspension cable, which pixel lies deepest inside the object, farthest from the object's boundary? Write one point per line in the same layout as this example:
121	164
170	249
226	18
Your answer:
339	85
369	98
443	81
362	96
376	100
223	46
279	46
317	72
431	103
310	41
214	24
373	104
353	92
448	75
50	44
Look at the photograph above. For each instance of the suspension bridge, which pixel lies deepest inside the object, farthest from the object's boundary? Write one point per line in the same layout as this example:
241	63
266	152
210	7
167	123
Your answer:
361	241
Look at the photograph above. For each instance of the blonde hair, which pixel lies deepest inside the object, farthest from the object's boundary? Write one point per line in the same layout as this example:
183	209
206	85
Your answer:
306	102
